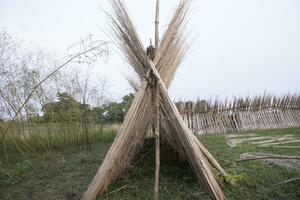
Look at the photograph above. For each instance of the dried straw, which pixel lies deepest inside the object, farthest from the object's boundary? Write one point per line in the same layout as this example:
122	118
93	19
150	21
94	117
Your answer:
137	121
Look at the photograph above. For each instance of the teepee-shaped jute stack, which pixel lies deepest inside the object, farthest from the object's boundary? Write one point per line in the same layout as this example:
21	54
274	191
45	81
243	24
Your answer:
152	104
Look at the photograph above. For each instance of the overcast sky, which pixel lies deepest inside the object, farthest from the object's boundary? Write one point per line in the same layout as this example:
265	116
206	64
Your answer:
241	47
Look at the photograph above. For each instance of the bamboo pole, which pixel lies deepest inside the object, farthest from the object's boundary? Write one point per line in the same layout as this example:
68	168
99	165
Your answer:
157	142
157	23
156	114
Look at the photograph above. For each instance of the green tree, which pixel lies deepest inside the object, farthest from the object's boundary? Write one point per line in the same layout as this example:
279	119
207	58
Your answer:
97	115
115	112
126	102
65	109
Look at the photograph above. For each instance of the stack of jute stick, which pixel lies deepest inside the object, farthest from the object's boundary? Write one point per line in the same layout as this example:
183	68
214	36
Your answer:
152	105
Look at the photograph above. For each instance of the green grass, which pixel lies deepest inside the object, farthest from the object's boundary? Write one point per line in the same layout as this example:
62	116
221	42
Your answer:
73	169
259	178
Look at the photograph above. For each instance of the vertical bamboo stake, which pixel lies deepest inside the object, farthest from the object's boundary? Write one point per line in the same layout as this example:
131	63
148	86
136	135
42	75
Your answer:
157	142
157	24
156	113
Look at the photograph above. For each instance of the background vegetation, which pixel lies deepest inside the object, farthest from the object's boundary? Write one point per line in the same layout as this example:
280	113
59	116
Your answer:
71	107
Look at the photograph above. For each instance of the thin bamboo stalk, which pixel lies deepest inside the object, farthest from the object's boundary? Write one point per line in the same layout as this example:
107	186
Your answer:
156	114
157	23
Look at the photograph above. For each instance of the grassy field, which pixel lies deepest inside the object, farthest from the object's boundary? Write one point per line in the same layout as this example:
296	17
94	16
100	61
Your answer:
69	174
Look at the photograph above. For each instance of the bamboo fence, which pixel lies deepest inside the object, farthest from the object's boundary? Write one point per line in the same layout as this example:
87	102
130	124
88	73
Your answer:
241	114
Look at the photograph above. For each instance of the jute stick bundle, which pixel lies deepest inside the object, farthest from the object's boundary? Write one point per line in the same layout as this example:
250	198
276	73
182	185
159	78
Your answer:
137	121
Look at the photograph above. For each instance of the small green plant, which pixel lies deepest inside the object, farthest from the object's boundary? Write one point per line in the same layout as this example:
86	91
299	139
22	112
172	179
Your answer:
22	168
13	176
234	178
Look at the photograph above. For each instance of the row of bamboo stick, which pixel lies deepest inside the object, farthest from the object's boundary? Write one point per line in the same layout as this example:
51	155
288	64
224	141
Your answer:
258	113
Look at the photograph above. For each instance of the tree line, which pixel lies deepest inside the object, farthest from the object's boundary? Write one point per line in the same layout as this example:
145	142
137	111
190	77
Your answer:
68	109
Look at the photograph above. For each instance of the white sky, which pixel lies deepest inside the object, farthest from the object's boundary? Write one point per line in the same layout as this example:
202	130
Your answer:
242	46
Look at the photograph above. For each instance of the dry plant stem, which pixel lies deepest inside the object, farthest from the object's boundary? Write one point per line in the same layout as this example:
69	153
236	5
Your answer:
283	147
279	143
157	142
269	157
288	181
117	190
